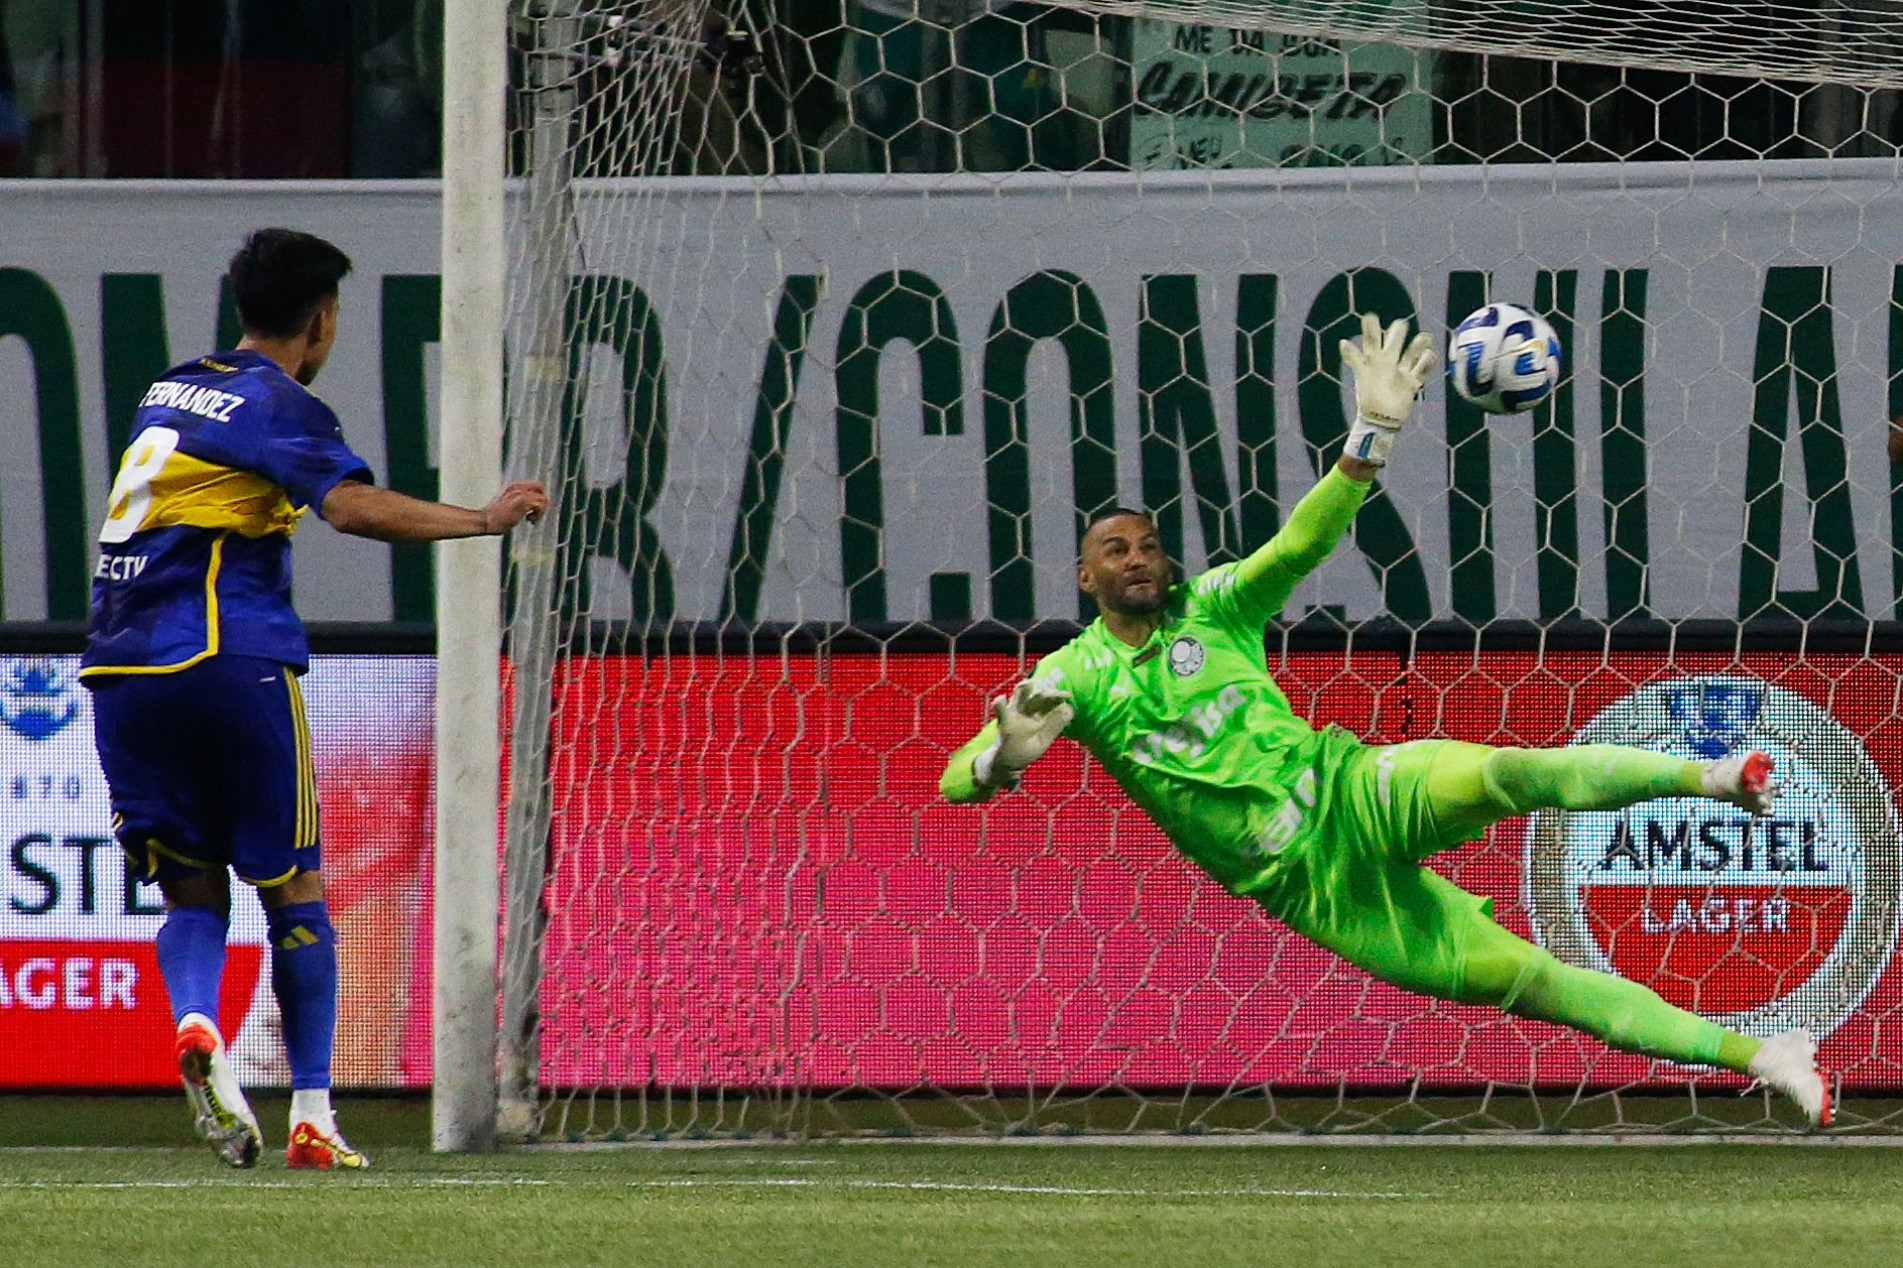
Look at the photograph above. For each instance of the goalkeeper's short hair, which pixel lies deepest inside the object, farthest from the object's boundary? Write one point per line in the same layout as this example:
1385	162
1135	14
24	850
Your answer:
1117	512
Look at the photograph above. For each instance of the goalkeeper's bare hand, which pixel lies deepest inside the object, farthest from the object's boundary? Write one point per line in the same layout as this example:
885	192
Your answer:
1029	721
1390	370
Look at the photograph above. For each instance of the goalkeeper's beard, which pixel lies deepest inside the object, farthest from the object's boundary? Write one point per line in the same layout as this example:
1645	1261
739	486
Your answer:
1146	602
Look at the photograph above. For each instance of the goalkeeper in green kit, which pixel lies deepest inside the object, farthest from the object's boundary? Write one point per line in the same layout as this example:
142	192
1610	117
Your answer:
1169	689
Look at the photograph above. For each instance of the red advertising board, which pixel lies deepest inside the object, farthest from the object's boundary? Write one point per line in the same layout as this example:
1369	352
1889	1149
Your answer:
753	883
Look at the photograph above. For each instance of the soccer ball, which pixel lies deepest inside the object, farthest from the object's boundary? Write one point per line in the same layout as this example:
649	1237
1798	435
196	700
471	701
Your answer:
1504	359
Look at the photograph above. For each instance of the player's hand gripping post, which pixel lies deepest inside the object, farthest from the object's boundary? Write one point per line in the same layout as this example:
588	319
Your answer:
1389	371
363	510
1029	721
518	501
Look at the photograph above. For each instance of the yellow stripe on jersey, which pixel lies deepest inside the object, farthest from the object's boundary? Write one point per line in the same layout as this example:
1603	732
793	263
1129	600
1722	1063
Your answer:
273	882
211	626
200	494
307	818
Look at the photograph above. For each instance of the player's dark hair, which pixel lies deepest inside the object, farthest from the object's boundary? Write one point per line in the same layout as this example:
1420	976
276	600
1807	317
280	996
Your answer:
280	277
1115	512
1118	512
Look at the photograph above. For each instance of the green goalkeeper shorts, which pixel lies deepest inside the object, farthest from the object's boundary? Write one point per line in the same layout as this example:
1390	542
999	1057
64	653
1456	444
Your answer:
1350	878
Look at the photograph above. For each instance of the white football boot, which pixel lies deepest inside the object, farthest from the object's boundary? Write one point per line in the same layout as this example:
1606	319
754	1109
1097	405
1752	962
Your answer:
220	1113
1787	1063
1745	779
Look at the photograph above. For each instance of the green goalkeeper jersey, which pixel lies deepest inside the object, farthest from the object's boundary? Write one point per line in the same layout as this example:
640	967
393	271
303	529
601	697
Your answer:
1191	725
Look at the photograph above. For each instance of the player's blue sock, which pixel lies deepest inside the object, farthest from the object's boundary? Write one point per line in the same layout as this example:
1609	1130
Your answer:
192	960
304	978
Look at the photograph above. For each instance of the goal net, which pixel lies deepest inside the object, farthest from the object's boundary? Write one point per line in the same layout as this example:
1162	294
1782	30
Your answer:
831	324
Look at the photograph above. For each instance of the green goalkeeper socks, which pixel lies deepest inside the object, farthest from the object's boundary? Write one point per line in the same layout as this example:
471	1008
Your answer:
1586	777
1528	981
1513	974
1735	1051
1626	1015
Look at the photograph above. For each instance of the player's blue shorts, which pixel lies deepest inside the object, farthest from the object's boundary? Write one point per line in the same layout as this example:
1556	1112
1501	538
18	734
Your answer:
209	768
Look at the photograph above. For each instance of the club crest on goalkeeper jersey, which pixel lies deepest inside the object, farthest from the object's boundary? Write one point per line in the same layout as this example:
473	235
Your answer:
1195	730
227	453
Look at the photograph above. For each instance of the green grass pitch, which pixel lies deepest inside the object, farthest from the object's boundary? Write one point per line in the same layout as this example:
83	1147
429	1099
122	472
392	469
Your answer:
151	1200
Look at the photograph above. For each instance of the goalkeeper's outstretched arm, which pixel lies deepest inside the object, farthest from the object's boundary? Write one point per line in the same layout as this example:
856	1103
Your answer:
1389	370
1023	726
1269	575
958	784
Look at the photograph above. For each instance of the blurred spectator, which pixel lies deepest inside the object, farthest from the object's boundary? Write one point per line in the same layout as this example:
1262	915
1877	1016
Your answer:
396	118
12	122
37	102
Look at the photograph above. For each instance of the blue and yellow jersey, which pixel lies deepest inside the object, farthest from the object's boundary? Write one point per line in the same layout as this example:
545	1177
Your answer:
227	452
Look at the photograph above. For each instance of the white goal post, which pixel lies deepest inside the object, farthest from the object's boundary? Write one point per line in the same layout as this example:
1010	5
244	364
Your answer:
469	581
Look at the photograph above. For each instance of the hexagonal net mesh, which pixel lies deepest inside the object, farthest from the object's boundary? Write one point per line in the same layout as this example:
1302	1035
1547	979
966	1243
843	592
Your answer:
833	324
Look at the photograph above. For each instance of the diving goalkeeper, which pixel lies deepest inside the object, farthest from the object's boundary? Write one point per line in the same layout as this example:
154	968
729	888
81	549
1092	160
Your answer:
1170	690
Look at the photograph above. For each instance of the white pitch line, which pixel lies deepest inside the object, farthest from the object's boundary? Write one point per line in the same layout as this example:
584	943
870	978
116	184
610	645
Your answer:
235	1182
709	1182
952	1186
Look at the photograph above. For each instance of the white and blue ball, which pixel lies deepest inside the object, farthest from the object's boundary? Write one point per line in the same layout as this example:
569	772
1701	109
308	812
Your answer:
1504	359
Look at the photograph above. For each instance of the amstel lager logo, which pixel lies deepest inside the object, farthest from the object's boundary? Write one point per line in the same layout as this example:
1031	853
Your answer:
1758	924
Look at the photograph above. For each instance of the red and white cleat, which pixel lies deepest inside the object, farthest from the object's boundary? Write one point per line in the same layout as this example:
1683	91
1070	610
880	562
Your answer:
321	1147
1787	1063
1746	779
220	1114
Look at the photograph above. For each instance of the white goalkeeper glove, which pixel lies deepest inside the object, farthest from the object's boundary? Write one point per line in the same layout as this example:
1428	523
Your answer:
1388	377
1029	721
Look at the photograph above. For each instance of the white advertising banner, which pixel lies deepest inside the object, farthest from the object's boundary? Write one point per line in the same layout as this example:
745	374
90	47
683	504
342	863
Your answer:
888	399
82	1002
1211	97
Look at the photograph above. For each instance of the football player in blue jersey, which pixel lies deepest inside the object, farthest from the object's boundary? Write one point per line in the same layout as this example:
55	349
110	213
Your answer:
193	659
